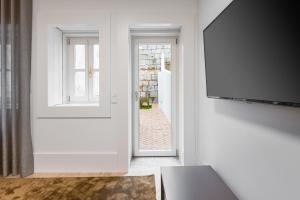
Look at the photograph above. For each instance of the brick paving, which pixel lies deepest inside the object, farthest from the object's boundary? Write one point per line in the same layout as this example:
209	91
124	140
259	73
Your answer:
155	130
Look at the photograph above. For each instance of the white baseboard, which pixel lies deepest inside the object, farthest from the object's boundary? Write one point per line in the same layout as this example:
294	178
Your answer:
75	162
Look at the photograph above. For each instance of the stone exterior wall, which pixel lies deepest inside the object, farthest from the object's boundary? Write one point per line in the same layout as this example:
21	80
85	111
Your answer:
150	56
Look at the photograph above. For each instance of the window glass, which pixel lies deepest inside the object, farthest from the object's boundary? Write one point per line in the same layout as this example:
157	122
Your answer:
96	84
83	71
79	83
96	56
79	55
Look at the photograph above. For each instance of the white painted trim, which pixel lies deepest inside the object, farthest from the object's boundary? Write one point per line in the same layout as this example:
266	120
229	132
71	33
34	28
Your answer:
88	98
174	92
75	162
154	34
101	21
155	153
148	31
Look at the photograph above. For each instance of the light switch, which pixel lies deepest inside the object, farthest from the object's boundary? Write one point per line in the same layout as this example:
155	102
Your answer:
114	99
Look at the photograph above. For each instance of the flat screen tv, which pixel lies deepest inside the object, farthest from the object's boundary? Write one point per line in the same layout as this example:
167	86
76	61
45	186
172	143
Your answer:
252	52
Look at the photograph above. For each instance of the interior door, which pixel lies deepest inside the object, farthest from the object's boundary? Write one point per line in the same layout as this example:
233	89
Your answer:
163	108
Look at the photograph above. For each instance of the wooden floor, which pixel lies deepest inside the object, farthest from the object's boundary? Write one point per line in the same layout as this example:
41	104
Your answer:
139	167
49	175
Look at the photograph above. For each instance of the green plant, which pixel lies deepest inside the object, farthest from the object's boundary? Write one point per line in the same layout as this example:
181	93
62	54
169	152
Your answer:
145	103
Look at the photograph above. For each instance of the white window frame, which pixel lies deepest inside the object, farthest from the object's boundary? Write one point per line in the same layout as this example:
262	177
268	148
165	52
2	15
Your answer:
89	42
49	64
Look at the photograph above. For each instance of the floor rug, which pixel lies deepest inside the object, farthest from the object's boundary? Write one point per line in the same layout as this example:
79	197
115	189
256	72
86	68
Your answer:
95	188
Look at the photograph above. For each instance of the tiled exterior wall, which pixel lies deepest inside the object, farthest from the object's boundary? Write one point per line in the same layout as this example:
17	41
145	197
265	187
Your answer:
150	64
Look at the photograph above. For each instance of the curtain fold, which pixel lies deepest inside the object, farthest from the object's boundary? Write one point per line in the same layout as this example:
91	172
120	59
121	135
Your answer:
15	141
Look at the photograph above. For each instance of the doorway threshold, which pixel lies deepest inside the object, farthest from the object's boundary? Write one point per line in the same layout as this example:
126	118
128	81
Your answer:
143	166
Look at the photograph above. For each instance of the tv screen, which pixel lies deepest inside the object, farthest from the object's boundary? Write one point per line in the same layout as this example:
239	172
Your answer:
252	52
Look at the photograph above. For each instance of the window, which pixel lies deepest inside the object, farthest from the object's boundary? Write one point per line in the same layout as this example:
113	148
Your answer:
82	70
77	79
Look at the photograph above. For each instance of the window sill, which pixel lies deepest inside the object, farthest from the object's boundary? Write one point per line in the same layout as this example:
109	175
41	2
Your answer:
75	110
77	105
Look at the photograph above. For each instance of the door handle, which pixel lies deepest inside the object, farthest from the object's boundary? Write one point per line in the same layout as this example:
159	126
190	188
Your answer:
136	95
90	72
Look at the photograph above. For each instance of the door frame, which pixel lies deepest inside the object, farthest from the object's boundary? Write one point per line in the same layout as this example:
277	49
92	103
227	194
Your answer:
135	98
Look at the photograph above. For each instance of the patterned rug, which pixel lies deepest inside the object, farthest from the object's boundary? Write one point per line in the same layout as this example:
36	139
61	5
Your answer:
96	188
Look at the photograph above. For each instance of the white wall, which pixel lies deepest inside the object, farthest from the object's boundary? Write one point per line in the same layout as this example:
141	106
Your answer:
164	91
101	144
254	147
54	78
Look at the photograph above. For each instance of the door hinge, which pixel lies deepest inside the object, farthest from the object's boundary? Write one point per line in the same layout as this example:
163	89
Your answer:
177	41
68	41
69	99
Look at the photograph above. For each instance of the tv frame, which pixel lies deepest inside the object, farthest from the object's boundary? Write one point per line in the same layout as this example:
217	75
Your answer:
281	103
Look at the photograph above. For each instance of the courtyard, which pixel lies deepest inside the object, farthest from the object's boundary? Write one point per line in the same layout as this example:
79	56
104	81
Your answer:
155	129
